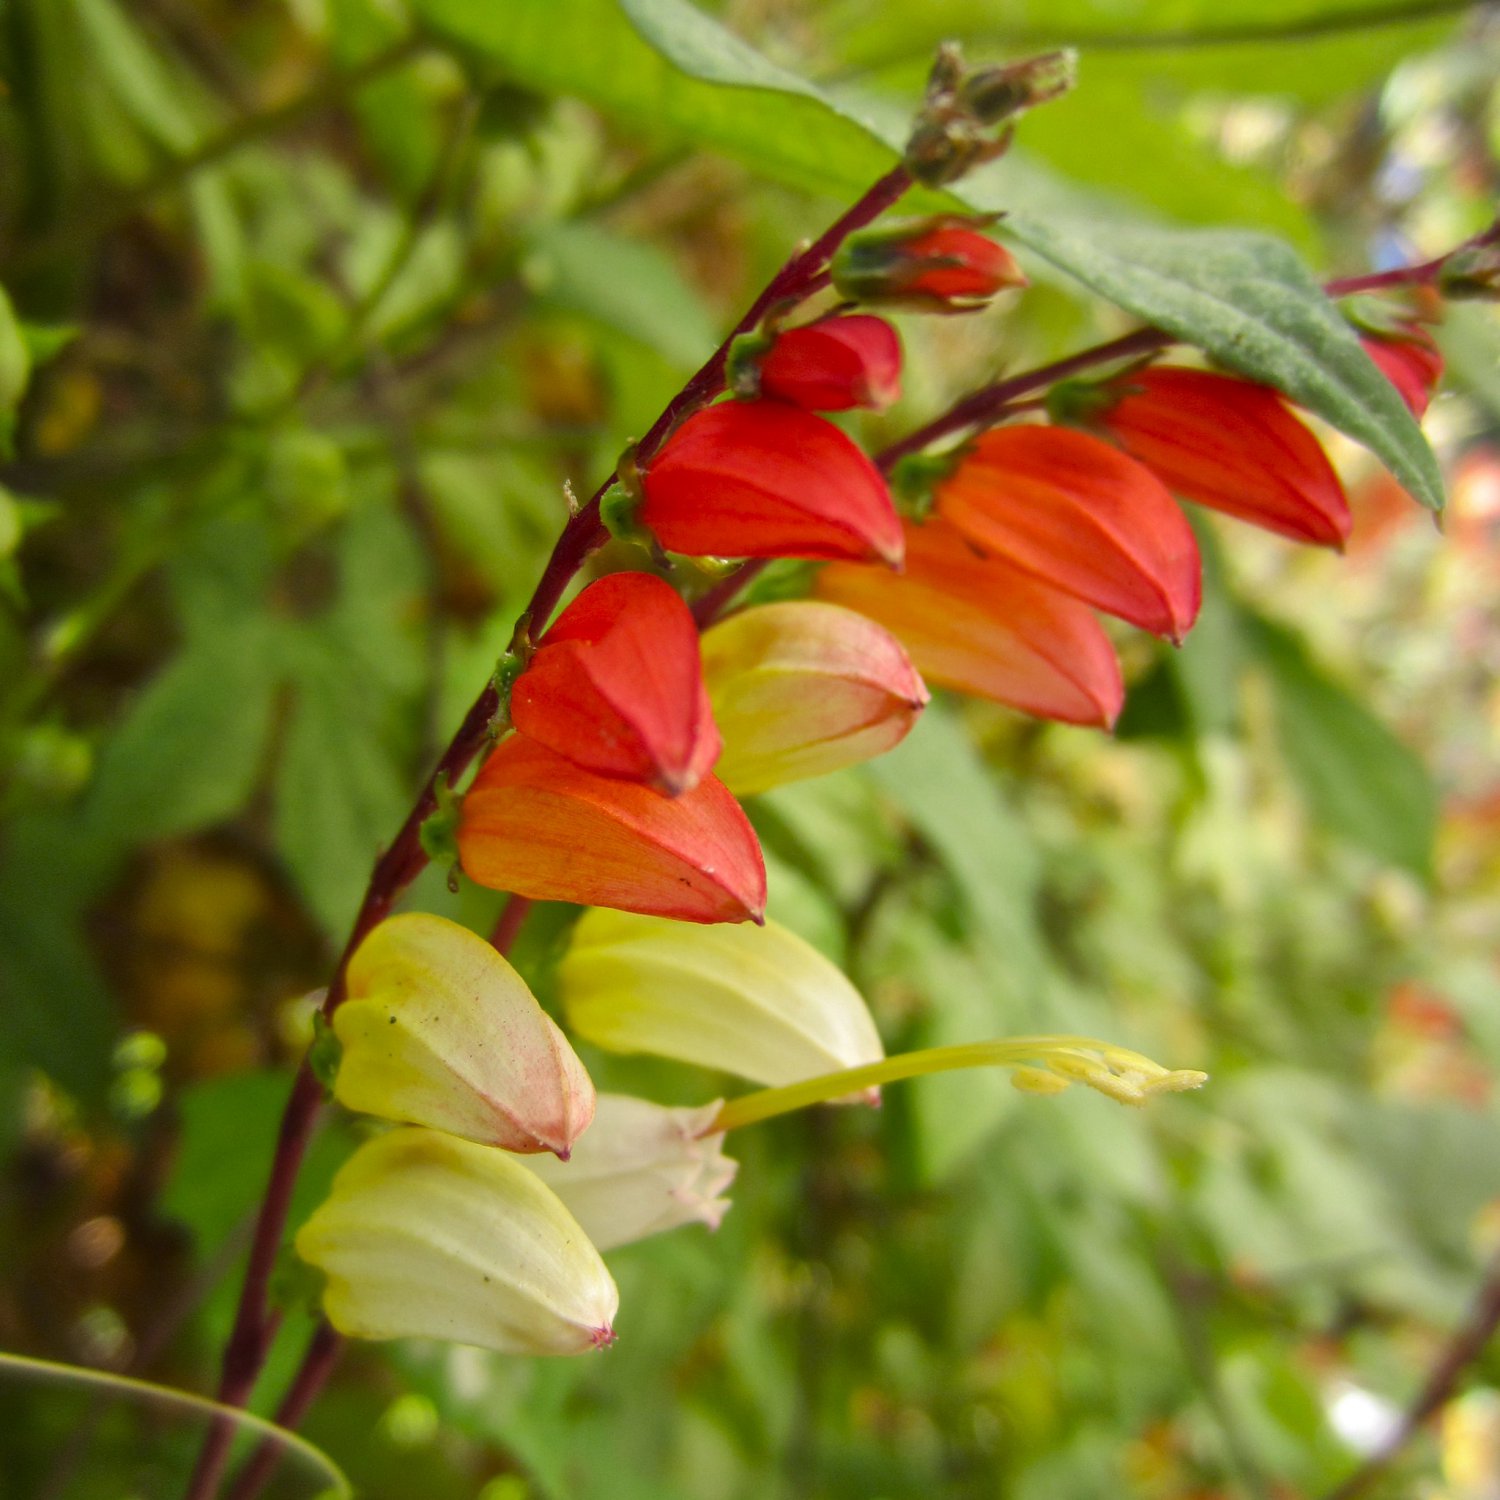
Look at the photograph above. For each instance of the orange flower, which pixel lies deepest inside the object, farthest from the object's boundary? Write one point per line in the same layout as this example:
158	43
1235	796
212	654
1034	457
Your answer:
833	364
981	626
1072	512
1410	360
767	479
1233	446
536	824
617	686
942	264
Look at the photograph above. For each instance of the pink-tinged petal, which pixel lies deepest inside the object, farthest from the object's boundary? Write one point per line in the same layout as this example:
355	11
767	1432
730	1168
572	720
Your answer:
767	479
802	689
980	626
616	686
1080	517
536	824
1233	446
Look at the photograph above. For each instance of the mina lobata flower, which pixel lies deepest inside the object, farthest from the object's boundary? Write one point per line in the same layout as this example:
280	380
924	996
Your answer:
437	1029
758	1002
1233	446
643	1168
941	264
802	688
536	824
838	362
1410	359
616	686
427	1236
1080	516
981	626
767	479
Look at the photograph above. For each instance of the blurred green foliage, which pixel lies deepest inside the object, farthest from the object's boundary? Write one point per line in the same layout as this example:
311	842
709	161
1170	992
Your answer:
311	312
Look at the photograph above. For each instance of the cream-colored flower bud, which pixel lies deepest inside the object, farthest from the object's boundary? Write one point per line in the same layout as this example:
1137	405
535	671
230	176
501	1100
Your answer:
802	688
755	1001
642	1168
439	1030
428	1236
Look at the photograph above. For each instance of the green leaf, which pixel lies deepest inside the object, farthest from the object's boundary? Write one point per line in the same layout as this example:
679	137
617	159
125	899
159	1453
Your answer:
339	794
1246	299
15	370
190	748
1358	779
627	285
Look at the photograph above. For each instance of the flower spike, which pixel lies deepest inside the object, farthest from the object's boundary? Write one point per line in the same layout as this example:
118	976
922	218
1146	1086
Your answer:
539	826
616	685
428	1236
1071	511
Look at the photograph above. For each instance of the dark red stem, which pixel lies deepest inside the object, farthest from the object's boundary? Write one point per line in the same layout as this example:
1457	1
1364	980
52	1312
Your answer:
509	923
323	1351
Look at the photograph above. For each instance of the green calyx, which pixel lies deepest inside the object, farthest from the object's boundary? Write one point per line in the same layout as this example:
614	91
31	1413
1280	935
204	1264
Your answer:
439	831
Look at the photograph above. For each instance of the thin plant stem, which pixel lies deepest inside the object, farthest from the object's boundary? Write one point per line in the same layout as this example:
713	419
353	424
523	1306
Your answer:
255	1325
322	1354
509	923
1468	1342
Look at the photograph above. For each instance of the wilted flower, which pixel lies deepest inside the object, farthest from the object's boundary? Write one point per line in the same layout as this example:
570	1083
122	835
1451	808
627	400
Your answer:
1071	511
801	689
438	1029
642	1169
981	626
943	264
767	479
1410	360
833	364
536	824
428	1236
755	1001
1233	446
616	686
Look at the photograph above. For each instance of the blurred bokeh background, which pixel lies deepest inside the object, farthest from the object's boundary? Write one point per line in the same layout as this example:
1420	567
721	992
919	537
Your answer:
314	306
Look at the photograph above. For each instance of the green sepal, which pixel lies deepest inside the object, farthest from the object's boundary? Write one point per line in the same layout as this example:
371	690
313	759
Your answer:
915	479
295	1285
439	831
324	1052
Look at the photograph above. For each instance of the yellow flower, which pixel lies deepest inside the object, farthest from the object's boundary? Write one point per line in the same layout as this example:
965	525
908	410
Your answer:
800	689
755	1001
439	1030
428	1236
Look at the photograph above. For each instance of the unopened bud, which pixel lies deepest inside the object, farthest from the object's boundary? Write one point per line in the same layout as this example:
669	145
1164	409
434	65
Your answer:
941	264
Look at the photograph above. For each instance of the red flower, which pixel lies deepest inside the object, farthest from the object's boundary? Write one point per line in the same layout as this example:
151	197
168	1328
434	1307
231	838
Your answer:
1231	445
1410	360
834	364
1071	511
981	626
941	263
767	479
617	686
536	824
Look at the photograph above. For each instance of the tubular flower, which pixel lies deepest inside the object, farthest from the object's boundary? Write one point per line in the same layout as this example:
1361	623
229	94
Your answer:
802	689
835	363
981	626
641	1170
757	1002
428	1236
536	824
1233	446
439	1030
1410	360
767	479
616	685
1071	511
941	264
